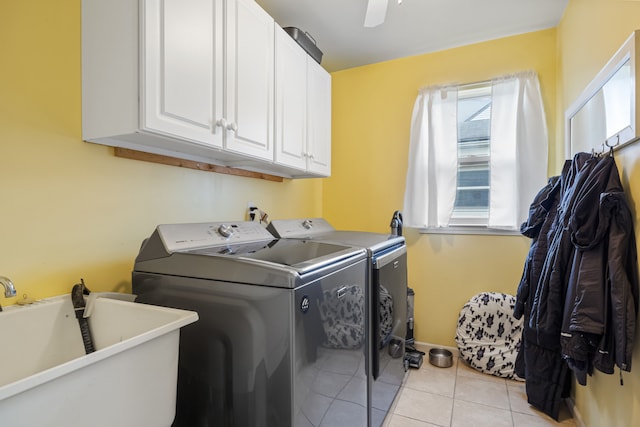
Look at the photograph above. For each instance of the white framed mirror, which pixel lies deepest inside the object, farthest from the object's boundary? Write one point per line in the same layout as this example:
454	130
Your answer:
605	113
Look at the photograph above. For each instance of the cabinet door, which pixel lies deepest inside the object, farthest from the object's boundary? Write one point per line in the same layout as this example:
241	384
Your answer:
291	102
249	79
318	119
181	86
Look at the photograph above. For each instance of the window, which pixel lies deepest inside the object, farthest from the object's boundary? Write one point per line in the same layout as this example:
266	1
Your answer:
477	155
471	205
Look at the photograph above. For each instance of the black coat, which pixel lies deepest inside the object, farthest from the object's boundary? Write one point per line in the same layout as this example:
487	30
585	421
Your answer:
547	307
579	289
546	374
602	295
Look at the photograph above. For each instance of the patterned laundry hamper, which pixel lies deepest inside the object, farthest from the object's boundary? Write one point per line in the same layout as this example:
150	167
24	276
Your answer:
488	336
343	321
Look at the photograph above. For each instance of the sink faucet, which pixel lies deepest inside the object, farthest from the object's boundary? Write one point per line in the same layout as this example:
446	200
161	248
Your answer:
9	289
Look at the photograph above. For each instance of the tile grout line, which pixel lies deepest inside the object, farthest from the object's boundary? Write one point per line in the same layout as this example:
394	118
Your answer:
455	384
513	421
504	381
512	395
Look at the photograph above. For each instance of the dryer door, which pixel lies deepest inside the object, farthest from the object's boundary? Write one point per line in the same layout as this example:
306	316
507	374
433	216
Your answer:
389	327
330	348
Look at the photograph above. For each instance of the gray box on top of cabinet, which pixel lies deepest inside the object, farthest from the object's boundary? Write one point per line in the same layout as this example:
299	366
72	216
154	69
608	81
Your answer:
142	91
307	42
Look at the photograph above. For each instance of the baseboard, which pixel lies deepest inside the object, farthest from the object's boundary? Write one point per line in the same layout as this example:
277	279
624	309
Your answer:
574	412
454	350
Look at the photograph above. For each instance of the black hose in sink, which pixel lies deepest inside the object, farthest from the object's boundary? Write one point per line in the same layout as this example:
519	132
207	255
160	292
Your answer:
78	292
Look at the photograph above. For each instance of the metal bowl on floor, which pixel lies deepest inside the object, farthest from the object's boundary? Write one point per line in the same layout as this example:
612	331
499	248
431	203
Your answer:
440	357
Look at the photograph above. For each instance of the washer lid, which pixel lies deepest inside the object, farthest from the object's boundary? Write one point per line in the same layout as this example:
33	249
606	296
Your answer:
300	255
202	251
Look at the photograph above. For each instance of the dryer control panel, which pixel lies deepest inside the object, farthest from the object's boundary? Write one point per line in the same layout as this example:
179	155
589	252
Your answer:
300	228
181	237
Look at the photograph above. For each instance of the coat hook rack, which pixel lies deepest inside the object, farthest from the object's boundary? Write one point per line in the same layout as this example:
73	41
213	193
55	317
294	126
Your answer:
605	146
610	146
614	145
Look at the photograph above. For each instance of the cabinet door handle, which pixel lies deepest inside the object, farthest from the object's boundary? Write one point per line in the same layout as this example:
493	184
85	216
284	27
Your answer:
232	127
221	122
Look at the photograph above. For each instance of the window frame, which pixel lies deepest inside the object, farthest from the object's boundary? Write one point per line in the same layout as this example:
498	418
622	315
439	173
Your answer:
472	224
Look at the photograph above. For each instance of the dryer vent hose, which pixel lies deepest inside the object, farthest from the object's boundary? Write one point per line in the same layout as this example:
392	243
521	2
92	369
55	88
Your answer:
77	297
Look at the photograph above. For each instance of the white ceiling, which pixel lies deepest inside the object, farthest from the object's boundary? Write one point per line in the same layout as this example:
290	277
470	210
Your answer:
411	28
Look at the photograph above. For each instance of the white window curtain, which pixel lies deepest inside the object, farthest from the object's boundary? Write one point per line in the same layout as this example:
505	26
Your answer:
519	149
430	191
518	154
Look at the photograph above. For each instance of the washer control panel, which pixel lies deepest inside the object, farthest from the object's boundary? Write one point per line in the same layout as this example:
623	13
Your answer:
180	237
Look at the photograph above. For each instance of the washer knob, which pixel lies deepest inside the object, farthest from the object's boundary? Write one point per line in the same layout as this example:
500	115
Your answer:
307	224
225	230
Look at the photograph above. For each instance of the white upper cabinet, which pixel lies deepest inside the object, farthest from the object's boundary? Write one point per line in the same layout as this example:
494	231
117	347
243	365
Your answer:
291	102
182	86
195	79
318	119
303	110
208	73
249	45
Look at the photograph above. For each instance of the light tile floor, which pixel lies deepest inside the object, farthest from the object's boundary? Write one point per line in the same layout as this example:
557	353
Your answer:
460	396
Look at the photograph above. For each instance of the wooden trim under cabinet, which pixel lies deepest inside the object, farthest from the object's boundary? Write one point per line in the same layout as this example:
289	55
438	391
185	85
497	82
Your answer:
190	164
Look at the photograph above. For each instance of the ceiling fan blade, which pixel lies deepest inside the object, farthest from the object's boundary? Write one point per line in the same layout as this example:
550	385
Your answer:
376	11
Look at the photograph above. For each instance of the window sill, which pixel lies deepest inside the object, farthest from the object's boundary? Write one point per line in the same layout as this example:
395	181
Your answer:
470	230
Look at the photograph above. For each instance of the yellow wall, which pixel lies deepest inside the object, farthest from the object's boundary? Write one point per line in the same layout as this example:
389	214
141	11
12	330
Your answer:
590	33
371	121
70	209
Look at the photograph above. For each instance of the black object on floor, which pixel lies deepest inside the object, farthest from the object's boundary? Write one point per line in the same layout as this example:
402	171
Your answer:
414	359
